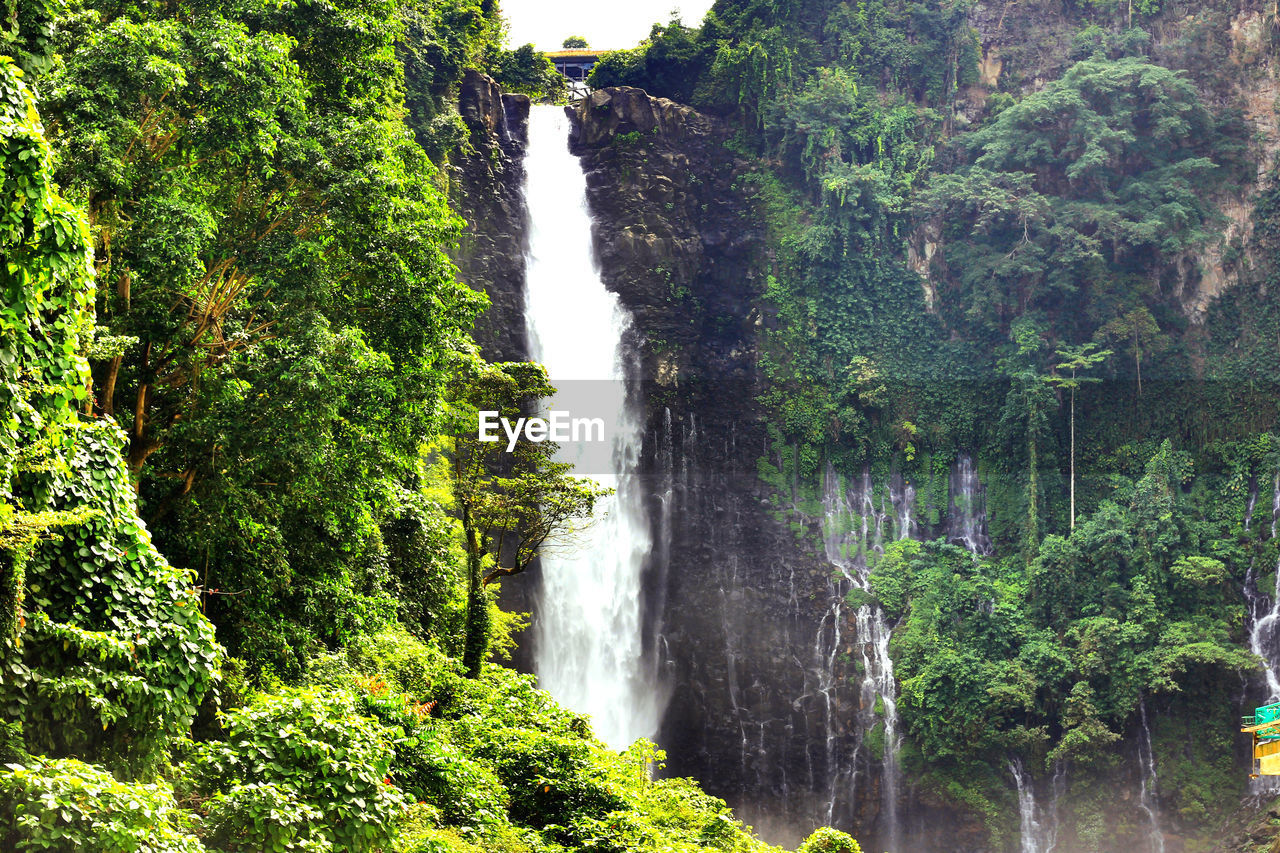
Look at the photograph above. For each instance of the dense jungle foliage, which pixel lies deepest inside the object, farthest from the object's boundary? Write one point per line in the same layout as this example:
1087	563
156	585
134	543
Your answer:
244	554
243	571
1002	267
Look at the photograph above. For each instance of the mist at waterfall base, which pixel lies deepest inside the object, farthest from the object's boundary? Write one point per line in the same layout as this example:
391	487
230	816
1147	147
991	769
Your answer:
588	649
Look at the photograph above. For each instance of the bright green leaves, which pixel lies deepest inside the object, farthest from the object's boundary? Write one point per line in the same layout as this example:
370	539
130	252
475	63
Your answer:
45	278
116	655
68	805
107	654
510	504
300	768
27	32
273	237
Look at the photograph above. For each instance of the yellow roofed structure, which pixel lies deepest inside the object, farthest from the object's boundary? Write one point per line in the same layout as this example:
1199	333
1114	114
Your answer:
1264	725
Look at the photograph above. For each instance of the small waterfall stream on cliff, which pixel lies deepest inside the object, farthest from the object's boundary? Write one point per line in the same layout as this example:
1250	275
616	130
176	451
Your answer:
966	516
853	529
1037	827
588	649
1265	633
1147	792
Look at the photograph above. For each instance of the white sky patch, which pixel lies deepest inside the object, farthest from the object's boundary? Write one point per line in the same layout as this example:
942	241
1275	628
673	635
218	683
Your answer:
606	26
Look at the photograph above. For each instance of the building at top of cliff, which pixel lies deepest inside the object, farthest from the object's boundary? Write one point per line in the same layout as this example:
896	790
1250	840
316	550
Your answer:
575	65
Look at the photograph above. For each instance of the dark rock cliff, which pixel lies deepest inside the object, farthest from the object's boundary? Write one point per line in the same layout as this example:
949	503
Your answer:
763	652
487	193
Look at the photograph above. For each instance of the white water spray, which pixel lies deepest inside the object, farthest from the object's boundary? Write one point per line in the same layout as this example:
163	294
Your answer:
1030	832
588	648
1264	636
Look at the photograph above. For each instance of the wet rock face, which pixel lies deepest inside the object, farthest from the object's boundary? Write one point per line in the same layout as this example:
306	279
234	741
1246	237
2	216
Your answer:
674	237
488	193
738	599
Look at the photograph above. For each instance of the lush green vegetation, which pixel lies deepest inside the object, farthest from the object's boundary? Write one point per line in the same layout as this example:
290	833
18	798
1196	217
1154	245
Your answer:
246	546
228	310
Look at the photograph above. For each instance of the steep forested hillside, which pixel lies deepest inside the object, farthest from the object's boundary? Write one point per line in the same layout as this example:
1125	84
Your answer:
963	340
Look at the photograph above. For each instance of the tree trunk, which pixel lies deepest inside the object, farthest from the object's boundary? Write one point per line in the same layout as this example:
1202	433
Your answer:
1033	515
140	447
475	646
108	400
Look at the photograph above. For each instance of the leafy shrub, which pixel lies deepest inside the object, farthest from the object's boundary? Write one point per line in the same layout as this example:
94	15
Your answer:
436	772
552	778
66	804
262	816
116	655
419	832
410	665
828	840
315	748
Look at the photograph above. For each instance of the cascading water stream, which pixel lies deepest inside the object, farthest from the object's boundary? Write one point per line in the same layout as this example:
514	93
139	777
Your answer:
1146	793
849	535
1030	832
588	646
1263	636
966	516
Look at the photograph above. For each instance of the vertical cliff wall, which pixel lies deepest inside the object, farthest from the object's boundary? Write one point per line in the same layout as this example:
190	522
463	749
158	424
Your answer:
771	668
486	192
754	594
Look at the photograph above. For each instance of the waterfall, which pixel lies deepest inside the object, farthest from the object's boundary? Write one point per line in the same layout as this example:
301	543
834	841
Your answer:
966	517
850	536
1147	792
588	645
1032	834
1264	631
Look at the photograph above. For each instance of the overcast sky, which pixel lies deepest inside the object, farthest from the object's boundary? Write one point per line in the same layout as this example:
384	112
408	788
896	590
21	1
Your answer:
605	25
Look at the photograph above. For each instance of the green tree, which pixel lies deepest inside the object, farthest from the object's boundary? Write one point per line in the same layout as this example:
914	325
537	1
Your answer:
105	651
510	503
1075	197
1028	401
1076	359
574	42
1139	331
275	240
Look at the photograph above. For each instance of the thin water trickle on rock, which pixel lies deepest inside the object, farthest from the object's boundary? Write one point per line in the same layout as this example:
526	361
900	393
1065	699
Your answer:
853	529
1149	782
588	645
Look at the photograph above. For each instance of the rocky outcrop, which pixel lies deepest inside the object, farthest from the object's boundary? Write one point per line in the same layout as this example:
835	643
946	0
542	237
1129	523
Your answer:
487	192
1255	828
